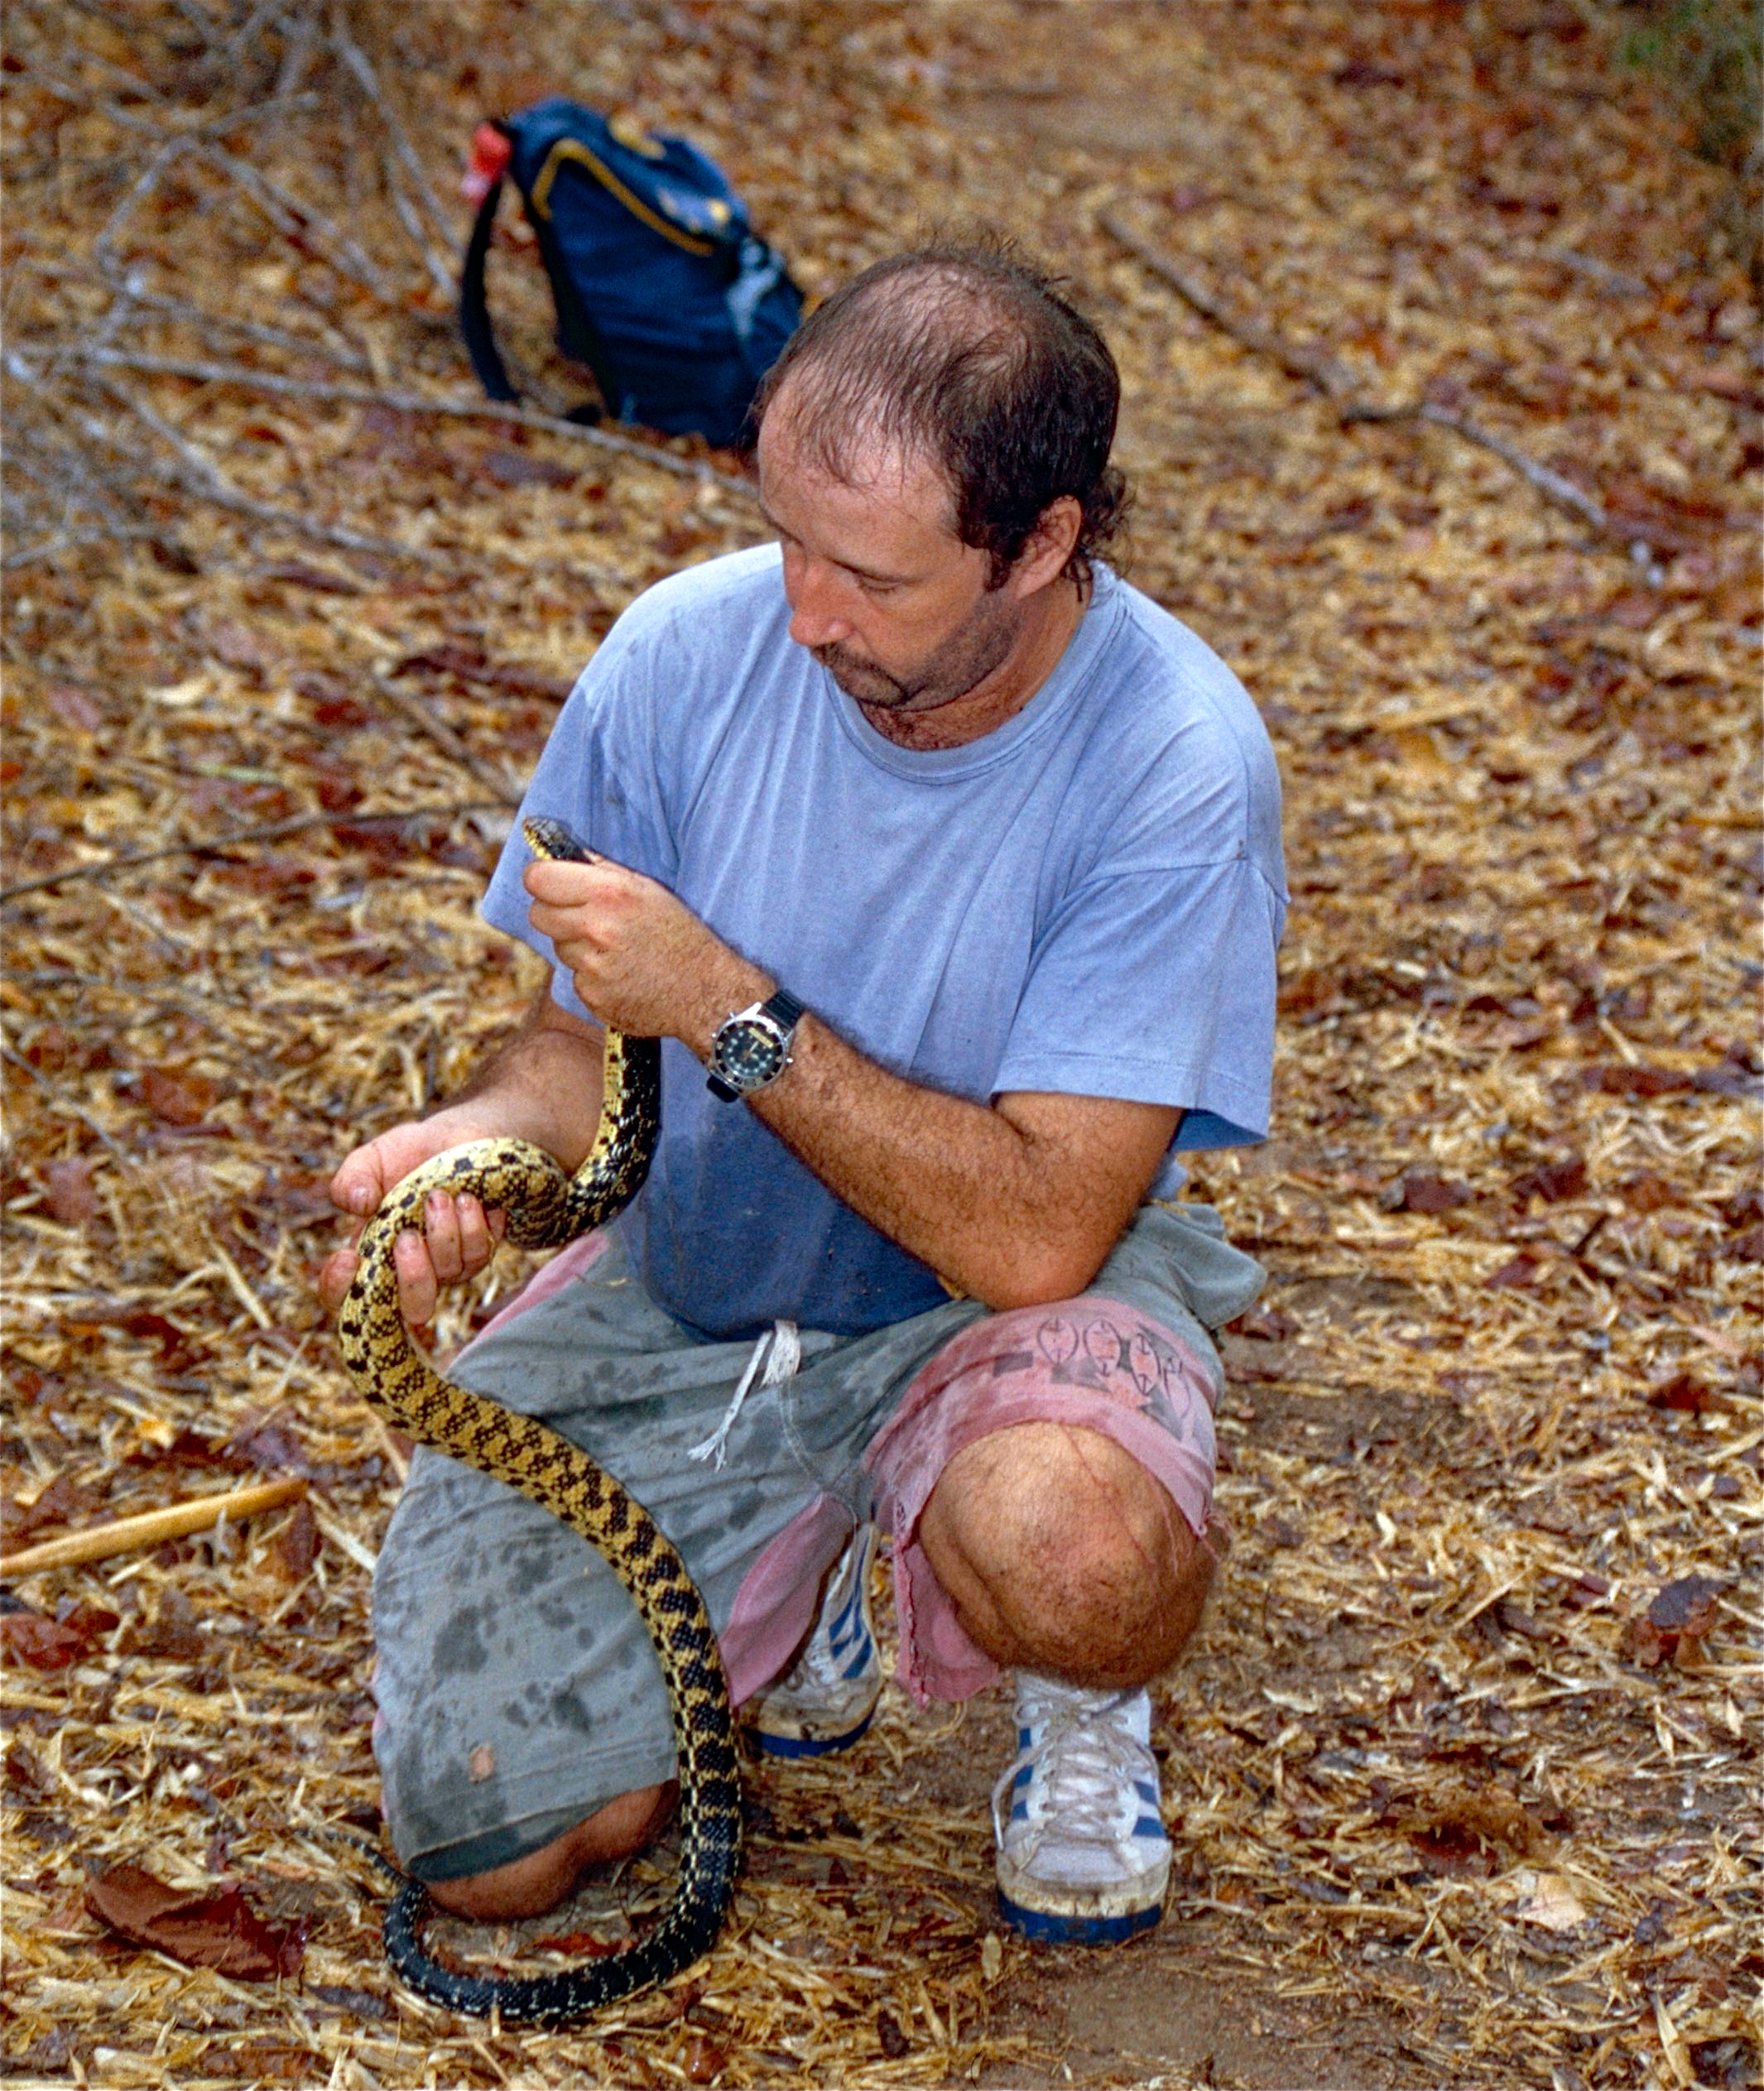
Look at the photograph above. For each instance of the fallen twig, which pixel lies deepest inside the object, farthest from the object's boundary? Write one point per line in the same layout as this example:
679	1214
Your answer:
1309	365
470	409
412	707
152	1527
304	223
196	476
270	831
1316	366
1562	491
1601	272
443	263
61	1105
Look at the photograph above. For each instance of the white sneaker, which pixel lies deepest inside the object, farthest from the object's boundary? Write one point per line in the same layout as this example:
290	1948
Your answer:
827	1700
1083	1859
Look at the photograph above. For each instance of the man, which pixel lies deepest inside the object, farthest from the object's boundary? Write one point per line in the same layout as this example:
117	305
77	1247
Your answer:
956	863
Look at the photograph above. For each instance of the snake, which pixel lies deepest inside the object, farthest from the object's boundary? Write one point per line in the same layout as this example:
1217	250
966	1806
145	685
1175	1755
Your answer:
547	1206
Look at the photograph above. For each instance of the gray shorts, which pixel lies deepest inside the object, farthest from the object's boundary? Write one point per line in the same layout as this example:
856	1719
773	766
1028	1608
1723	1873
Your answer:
517	1688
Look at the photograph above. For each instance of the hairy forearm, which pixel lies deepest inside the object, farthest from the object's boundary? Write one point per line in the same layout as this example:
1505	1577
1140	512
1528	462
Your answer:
1014	1202
542	1084
987	1200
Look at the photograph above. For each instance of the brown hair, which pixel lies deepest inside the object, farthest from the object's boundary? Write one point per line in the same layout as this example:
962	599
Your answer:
964	352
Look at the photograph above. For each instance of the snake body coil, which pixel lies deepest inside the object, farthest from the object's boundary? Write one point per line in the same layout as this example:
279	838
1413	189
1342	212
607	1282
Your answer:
547	1207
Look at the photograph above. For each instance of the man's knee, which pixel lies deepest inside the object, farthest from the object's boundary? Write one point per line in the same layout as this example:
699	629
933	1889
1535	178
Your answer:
529	1887
1062	1552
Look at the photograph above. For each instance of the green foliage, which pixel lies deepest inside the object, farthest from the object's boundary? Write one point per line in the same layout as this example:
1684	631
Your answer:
1713	52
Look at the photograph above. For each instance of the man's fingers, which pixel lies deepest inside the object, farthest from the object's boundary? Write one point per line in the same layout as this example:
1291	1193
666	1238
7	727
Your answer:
459	1239
476	1245
566	927
568	882
358	1186
335	1277
441	1225
417	1290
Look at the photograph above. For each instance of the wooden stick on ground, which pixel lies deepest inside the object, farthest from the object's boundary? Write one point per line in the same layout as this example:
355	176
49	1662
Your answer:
411	708
1315	367
275	381
271	831
125	1535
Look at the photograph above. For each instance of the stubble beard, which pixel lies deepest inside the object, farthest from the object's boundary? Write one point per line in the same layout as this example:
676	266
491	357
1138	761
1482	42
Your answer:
960	665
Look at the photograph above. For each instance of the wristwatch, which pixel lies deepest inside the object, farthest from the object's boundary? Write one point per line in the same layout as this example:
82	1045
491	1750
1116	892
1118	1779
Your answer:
751	1049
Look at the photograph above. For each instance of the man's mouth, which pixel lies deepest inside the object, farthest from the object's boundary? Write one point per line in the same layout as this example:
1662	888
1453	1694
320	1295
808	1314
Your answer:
844	666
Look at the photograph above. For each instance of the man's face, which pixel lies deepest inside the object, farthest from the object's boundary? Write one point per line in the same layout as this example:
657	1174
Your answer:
882	590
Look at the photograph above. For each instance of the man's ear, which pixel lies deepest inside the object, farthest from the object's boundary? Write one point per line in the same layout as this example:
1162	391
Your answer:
1043	559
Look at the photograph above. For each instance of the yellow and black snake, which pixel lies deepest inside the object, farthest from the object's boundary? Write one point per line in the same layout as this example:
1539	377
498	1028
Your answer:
546	1206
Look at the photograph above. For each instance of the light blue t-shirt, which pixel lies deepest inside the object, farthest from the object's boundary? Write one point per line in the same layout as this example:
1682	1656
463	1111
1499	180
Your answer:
1087	900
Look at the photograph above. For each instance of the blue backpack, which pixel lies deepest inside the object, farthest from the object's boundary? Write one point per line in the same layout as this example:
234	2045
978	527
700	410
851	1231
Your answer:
661	287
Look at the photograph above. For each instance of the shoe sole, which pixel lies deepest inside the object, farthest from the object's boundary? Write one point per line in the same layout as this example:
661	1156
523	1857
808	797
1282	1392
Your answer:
1046	1928
809	1746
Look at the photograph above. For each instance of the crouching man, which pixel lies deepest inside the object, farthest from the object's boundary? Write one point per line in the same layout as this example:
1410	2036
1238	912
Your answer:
947	867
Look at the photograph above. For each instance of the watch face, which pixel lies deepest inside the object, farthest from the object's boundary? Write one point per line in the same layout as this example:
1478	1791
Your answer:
749	1054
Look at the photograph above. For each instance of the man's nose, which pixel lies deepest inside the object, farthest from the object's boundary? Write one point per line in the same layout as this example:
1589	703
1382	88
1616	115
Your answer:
817	614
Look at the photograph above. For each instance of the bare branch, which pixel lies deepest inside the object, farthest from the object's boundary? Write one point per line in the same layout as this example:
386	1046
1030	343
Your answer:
1558	489
270	831
269	380
301	40
440	274
303	223
197	476
410	707
1309	365
1313	367
398	140
193	315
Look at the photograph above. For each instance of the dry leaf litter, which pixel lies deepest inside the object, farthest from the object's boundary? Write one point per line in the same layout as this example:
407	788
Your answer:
1461	1770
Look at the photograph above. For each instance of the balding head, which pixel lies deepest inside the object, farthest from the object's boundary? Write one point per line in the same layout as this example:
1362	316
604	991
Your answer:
963	357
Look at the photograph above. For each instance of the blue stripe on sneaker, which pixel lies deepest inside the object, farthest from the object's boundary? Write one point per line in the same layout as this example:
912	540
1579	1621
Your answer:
1075	1930
1145	1790
1148	1826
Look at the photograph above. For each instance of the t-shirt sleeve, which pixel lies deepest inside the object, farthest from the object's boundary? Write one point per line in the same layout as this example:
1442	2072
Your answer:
1157	987
599	775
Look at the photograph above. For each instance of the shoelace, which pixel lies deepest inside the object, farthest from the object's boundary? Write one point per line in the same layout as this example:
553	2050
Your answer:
1086	1759
780	1350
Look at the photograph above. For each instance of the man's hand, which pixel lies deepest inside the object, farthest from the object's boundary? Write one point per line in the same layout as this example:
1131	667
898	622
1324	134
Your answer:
641	960
543	1087
460	1237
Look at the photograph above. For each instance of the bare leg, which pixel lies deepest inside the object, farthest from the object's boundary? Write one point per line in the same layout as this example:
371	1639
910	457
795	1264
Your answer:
1063	1555
529	1886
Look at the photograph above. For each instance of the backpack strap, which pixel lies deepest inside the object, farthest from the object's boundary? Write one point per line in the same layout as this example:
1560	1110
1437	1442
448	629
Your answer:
577	330
474	314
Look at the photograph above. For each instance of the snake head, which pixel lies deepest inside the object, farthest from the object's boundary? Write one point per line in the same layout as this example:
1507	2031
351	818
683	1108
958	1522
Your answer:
550	838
